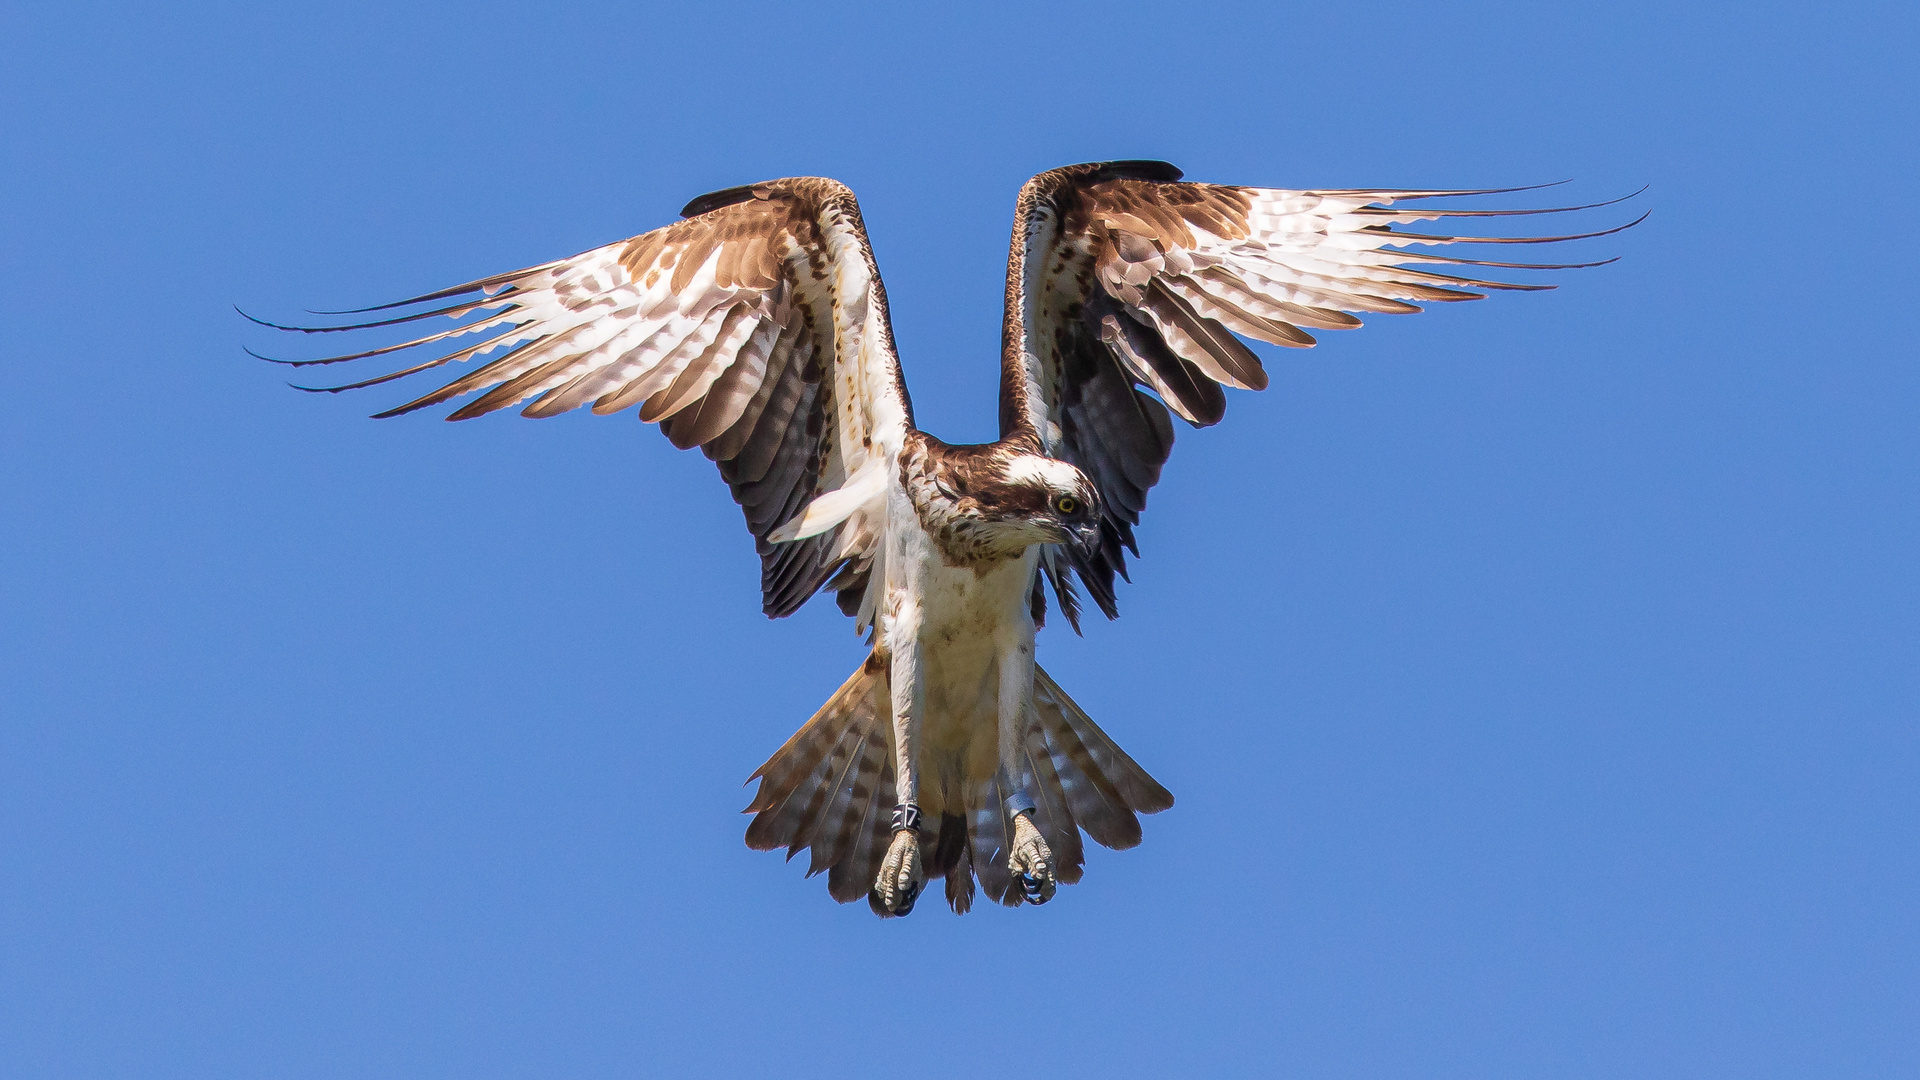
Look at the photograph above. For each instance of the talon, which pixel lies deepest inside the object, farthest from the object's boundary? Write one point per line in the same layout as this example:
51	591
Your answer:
897	885
1031	861
1035	889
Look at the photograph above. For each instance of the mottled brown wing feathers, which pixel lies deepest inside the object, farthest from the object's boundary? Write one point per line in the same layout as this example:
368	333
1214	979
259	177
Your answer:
755	329
1128	292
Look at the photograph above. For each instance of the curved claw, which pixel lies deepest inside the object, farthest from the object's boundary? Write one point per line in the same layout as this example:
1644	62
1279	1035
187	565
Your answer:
903	901
1038	890
897	886
1031	862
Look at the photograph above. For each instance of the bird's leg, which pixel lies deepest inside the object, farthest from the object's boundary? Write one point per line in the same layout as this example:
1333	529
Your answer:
898	884
1030	860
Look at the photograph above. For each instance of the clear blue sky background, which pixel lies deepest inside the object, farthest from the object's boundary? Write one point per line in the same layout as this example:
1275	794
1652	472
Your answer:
1537	677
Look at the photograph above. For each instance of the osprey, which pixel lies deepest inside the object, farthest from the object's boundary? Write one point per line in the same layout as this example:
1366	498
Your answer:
756	329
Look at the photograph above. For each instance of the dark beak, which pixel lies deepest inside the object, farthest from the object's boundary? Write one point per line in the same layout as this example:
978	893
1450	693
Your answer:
1086	540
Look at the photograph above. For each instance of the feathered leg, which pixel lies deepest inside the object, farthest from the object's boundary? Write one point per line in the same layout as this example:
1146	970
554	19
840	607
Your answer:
898	884
1030	860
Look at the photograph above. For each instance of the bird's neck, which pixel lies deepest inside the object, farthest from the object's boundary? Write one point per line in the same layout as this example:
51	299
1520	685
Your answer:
958	492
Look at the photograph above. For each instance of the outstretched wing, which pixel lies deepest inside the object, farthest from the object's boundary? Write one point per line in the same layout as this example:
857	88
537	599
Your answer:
755	329
1123	280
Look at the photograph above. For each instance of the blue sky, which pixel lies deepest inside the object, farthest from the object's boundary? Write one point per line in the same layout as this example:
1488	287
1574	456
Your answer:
1536	677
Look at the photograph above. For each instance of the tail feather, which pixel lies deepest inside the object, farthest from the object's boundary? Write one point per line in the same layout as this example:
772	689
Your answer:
1056	822
867	833
798	758
819	824
800	771
992	841
1141	791
1095	804
831	789
790	766
791	821
953	860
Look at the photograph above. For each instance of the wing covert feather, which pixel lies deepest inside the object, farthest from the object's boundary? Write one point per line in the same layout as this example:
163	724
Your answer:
1128	291
756	329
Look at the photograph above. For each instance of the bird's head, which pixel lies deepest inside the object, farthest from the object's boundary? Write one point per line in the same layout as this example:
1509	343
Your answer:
995	500
1049	499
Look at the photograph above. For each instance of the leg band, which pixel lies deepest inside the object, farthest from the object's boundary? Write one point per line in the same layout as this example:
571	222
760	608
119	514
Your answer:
1017	801
906	816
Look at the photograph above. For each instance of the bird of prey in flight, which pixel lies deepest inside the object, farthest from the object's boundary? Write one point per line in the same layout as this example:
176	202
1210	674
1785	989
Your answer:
756	329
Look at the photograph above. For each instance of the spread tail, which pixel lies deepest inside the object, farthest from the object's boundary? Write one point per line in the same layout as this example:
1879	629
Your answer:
830	789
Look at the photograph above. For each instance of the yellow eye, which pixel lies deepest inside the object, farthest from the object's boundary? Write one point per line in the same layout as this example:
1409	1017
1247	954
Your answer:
1067	504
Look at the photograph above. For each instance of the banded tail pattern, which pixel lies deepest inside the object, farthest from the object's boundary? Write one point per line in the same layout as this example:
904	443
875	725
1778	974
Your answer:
830	789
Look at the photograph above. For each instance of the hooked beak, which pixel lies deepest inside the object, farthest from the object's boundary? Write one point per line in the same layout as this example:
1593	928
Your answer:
1086	540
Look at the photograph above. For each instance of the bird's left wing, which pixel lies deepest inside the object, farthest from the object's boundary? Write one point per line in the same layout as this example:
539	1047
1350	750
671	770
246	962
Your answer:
755	329
1126	288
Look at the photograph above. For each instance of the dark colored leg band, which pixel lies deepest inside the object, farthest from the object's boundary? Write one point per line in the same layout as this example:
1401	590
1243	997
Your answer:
906	816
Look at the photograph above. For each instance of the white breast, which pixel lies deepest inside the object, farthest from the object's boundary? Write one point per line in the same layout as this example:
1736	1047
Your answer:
967	619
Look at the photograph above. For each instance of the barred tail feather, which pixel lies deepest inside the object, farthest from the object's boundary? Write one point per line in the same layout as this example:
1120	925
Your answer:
831	789
1051	815
865	832
953	860
992	840
793	780
1099	759
825	787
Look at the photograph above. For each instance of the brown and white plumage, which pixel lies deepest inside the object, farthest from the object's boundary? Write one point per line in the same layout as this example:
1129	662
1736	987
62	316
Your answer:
756	328
1126	289
829	789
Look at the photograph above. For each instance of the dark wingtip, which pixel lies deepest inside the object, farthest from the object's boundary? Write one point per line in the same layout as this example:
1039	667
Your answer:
714	200
1433	194
294	329
1387	211
1401	237
260	322
1585	206
1514	265
271	360
458	290
1159	172
1618	228
476	285
356	310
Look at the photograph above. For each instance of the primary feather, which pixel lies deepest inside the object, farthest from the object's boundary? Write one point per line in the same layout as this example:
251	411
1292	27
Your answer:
757	330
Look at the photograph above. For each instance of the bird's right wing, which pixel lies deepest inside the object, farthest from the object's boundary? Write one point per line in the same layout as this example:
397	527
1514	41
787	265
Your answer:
1126	288
755	329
